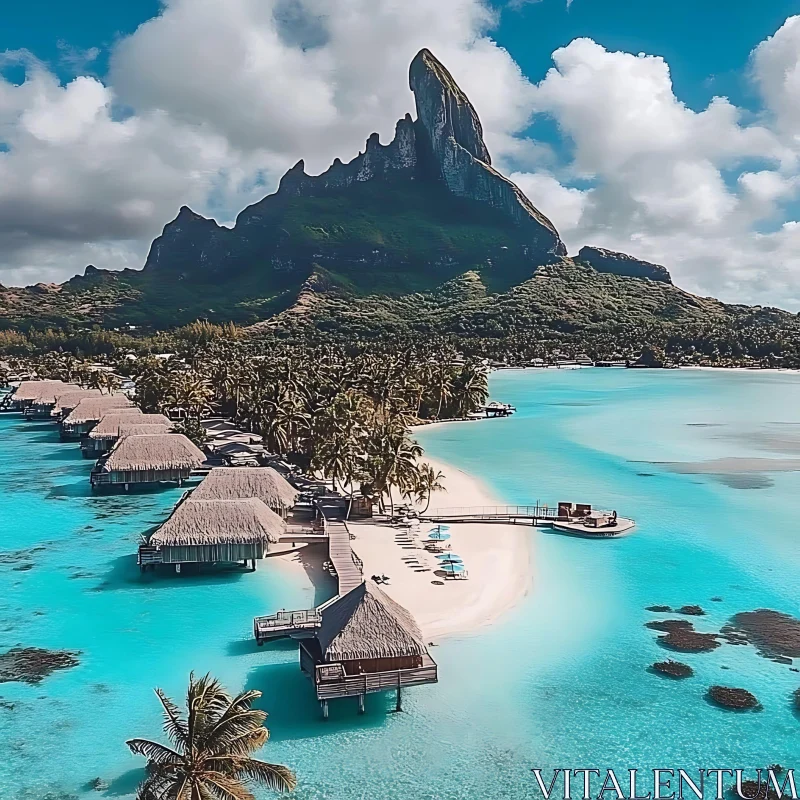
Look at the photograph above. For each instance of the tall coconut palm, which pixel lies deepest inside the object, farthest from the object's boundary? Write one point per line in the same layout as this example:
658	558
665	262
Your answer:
429	480
210	757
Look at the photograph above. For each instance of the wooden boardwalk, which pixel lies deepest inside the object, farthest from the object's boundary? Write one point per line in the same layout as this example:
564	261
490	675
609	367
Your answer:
514	515
535	515
302	624
346	563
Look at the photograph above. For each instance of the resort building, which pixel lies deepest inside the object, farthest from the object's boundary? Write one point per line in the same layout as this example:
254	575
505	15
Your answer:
116	424
42	404
365	642
264	483
66	401
214	531
147	459
28	391
89	412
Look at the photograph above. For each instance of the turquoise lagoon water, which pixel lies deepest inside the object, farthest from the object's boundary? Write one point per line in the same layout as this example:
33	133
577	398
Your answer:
561	681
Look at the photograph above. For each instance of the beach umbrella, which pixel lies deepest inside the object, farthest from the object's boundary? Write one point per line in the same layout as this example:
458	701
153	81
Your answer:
452	568
440	529
438	537
449	557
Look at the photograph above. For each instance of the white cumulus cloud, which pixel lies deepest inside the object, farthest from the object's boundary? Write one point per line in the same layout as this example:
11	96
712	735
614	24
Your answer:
210	101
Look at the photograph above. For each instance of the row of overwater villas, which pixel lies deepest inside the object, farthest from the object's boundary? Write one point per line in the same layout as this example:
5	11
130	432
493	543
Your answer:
130	447
365	642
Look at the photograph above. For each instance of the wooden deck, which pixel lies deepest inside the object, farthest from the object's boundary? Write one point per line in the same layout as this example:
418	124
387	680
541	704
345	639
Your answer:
304	622
347	564
367	683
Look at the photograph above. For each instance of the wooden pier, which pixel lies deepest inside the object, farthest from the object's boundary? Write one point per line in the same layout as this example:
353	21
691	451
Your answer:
535	515
349	574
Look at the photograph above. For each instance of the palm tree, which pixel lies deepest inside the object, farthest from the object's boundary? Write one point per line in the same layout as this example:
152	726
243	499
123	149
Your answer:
429	480
210	757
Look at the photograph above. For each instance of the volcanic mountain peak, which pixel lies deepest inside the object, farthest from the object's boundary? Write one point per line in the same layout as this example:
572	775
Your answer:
440	159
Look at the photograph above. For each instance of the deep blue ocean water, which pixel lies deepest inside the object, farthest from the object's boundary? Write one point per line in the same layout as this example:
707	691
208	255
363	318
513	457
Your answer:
561	681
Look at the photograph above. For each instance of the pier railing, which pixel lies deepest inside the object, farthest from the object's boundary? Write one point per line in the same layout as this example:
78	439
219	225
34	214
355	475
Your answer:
285	623
493	512
353	685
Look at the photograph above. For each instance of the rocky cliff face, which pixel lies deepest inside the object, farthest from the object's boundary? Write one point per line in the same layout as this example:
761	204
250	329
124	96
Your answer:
451	131
622	264
441	153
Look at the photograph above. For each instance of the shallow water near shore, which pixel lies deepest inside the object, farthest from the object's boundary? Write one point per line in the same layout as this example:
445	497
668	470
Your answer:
560	681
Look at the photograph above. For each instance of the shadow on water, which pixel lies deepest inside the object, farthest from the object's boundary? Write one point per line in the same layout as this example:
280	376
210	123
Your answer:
294	712
69	490
125	574
123	785
312	557
244	647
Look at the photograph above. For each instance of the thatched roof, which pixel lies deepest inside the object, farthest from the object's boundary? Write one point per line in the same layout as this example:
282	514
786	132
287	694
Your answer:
118	422
367	623
67	400
154	452
230	483
132	428
33	390
48	395
92	409
208	522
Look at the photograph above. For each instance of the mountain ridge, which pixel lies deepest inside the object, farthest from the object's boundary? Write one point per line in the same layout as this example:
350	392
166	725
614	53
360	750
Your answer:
420	235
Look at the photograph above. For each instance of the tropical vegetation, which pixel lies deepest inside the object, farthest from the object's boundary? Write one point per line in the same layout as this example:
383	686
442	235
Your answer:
210	756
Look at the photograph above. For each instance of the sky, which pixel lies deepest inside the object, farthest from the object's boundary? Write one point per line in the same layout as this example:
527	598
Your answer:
667	129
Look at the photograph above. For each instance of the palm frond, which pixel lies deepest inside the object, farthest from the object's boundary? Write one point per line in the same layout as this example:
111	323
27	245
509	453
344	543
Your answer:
226	787
174	724
206	701
238	720
274	776
241	745
158	787
154	752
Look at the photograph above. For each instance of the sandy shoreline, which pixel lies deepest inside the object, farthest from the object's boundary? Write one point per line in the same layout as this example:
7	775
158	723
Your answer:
497	557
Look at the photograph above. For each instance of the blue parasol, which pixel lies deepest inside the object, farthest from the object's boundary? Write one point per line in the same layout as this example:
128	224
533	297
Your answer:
453	568
440	528
436	536
449	557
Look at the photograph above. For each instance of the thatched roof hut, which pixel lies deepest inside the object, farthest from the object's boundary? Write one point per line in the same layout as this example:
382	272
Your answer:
92	409
161	452
111	425
49	392
131	428
30	390
213	522
367	625
264	483
67	400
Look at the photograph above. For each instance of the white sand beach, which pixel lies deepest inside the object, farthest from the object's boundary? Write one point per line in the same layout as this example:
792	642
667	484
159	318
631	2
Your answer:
497	558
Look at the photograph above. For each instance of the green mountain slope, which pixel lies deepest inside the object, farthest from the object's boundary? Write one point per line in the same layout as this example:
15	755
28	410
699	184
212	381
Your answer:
421	235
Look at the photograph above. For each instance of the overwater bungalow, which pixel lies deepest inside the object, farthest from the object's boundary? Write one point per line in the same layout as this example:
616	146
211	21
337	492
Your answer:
28	391
66	401
212	532
365	642
89	412
264	483
41	406
148	459
116	424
